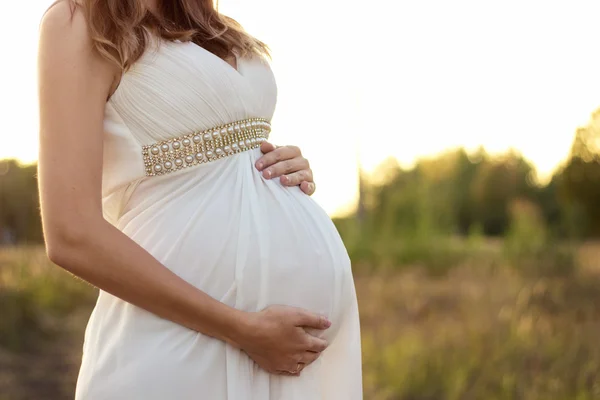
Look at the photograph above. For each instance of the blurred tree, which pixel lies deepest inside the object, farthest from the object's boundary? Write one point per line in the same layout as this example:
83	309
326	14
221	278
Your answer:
496	184
553	211
580	181
450	194
19	203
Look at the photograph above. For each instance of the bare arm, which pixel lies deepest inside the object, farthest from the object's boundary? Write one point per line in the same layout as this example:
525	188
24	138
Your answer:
74	83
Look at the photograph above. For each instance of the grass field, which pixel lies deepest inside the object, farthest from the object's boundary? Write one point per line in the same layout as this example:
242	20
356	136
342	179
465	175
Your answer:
492	326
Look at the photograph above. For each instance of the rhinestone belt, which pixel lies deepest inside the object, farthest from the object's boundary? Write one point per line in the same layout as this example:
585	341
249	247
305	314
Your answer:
200	147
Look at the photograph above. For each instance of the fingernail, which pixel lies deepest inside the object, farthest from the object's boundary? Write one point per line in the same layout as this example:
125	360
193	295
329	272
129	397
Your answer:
284	179
327	323
259	166
268	174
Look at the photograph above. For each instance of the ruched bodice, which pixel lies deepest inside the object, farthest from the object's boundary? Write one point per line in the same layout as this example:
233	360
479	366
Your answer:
171	91
193	97
245	240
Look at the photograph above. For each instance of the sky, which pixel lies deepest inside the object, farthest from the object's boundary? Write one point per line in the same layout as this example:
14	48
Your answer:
360	81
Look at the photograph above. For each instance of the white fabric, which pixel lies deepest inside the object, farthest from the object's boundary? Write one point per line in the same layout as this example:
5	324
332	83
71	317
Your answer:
247	241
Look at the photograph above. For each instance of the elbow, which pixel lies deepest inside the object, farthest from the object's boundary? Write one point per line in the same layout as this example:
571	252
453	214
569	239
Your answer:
56	253
63	244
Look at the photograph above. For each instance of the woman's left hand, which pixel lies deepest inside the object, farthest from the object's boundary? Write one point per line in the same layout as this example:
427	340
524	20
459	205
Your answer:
287	163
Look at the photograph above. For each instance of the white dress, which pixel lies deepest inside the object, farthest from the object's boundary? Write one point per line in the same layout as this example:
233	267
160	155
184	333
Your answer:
246	241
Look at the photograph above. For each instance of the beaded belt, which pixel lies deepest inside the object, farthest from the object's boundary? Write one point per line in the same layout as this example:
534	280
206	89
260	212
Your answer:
201	147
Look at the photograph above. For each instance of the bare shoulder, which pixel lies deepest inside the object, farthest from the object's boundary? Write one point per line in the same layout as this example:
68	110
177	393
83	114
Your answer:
65	20
65	44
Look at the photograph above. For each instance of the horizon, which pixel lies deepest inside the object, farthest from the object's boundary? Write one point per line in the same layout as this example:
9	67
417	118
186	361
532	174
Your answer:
407	166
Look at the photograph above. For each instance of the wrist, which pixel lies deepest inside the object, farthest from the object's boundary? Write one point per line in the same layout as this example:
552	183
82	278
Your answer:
238	326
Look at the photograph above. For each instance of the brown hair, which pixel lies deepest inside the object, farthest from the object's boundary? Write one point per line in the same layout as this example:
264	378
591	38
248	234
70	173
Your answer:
121	29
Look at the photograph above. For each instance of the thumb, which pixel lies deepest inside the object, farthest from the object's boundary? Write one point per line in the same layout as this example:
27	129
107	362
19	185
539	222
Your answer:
310	320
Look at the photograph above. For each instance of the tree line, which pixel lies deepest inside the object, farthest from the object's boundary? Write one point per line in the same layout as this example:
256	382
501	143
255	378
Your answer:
455	193
459	192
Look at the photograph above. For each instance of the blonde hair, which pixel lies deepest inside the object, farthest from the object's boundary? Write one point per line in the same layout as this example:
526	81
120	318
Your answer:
121	29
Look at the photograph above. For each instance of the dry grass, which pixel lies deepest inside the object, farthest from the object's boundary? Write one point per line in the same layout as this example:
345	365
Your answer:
43	313
482	331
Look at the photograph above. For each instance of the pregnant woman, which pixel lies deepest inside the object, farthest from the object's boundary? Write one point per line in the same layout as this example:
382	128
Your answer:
215	281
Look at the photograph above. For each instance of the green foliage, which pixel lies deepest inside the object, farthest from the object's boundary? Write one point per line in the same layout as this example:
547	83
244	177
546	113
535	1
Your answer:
449	195
20	316
456	191
33	291
529	246
497	183
580	180
374	250
581	186
19	203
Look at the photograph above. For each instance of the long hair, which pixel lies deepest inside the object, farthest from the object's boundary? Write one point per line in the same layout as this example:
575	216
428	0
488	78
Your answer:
121	29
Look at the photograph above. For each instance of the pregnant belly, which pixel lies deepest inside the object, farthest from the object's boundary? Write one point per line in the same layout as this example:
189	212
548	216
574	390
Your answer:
300	259
250	243
297	257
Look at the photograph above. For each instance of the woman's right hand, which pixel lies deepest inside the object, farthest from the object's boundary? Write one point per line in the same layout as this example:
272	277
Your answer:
276	339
